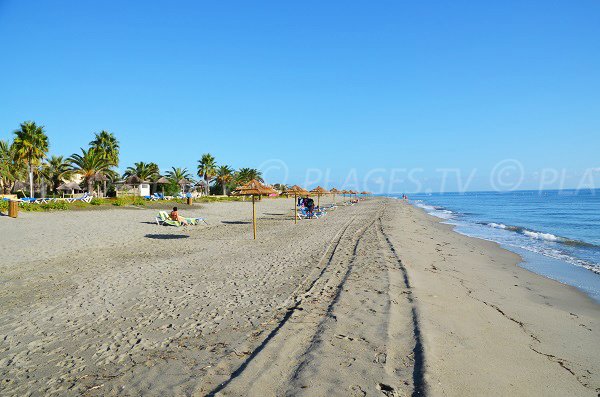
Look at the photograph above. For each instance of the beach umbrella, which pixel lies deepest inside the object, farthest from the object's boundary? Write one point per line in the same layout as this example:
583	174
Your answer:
72	186
271	191
183	182
296	191
253	188
334	191
319	191
134	180
162	181
100	177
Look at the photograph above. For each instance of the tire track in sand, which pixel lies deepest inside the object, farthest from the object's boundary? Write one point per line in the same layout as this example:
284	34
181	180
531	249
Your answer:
345	297
294	303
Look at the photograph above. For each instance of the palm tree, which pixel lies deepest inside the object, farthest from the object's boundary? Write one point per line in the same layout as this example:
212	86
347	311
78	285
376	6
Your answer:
55	170
144	171
177	174
10	170
108	146
89	163
207	169
245	175
31	146
224	176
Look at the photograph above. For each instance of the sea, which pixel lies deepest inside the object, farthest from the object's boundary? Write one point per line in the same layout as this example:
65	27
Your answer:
556	232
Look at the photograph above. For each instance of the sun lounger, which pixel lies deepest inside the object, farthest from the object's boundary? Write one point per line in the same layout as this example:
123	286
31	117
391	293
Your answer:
163	219
303	213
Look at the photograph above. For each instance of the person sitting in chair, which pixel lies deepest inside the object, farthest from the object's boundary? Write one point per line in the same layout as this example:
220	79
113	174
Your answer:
175	216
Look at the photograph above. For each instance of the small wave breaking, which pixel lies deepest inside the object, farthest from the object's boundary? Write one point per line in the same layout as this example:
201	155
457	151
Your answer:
540	235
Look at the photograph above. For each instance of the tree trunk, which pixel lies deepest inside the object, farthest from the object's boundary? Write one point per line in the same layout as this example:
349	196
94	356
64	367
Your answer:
223	184
30	179
90	186
206	189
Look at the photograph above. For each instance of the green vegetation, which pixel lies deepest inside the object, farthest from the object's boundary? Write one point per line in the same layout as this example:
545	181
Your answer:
26	169
30	147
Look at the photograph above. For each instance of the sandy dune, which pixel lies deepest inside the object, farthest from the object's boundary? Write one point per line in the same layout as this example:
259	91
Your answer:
376	299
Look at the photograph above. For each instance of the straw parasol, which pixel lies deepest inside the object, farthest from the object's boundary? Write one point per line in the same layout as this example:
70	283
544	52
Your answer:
253	188
72	186
271	190
334	191
134	180
296	191
163	181
319	191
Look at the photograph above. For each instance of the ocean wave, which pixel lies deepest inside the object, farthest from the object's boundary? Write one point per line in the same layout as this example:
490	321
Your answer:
537	235
557	254
437	211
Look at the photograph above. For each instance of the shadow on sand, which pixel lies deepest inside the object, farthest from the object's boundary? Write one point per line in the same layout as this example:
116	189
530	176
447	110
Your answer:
166	236
236	222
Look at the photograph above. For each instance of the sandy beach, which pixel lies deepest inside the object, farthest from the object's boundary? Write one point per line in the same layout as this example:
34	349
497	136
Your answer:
376	299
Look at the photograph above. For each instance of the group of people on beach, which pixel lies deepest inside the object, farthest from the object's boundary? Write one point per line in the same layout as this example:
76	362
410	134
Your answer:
308	203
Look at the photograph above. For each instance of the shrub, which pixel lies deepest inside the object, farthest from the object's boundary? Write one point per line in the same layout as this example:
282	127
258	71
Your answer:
3	205
96	201
138	201
119	202
30	207
54	205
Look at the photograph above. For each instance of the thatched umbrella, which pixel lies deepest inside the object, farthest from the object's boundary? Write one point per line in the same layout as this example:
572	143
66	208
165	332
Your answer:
296	191
319	191
134	180
72	186
253	188
100	177
183	182
334	191
163	181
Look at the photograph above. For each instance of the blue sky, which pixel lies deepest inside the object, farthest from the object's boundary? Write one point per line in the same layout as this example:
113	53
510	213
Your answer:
341	87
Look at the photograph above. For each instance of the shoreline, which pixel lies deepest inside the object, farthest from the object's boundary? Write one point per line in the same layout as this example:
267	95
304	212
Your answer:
483	313
375	298
522	262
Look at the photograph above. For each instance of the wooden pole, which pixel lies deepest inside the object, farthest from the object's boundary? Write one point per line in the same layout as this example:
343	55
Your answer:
295	209
319	200
253	218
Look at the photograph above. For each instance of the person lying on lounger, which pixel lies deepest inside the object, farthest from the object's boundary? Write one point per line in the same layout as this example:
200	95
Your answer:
175	216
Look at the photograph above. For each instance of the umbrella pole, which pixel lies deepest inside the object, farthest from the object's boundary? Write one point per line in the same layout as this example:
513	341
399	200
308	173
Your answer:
295	209
253	218
319	200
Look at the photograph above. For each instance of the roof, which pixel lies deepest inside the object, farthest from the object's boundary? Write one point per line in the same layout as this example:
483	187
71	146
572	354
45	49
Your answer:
252	188
319	190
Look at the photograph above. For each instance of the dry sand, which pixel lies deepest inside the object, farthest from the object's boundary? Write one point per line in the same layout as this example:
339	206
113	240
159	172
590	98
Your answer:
376	299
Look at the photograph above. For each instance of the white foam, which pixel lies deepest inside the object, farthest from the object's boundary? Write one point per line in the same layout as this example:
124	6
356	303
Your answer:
541	236
497	225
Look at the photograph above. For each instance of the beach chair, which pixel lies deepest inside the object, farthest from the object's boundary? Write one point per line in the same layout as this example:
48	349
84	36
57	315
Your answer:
164	219
86	198
303	213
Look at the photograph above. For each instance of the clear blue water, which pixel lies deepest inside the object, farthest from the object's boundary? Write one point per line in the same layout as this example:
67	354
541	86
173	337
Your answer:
556	232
